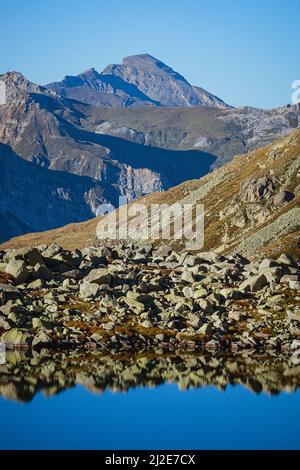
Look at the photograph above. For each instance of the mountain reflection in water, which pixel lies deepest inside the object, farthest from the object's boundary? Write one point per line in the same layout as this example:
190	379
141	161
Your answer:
24	375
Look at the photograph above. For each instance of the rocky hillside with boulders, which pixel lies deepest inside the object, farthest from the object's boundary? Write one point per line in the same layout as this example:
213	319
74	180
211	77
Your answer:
240	292
252	206
137	298
34	198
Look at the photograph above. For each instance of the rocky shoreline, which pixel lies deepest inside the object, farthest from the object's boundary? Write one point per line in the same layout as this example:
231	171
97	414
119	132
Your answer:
147	298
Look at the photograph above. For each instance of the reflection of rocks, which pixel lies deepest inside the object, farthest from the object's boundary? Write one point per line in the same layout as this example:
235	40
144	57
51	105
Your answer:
25	375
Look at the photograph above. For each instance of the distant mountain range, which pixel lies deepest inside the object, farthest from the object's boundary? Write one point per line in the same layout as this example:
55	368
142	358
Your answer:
140	80
79	155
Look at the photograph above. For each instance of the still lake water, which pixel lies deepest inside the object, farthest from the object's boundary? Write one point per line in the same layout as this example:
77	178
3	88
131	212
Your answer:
175	402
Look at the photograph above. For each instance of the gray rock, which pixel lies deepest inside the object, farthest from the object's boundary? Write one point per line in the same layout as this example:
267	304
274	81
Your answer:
41	340
42	272
294	285
99	276
18	270
188	277
286	259
35	285
254	283
4	324
30	256
89	290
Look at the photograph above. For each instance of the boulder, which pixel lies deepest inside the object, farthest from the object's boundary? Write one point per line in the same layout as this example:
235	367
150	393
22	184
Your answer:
99	276
188	277
18	270
17	339
36	285
254	283
42	272
283	197
4	325
287	260
29	255
89	290
41	340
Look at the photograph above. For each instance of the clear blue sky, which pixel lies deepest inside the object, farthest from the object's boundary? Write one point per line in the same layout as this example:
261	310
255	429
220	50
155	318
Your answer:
245	51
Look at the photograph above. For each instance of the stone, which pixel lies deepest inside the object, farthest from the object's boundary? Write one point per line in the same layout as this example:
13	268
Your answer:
294	316
135	304
283	197
35	285
41	340
16	338
209	257
109	326
194	320
294	285
206	306
89	290
163	251
42	272
146	324
4	324
273	274
99	276
213	344
287	278
200	293
8	307
235	316
29	255
37	323
287	260
254	283
188	292
18	270
188	277
267	263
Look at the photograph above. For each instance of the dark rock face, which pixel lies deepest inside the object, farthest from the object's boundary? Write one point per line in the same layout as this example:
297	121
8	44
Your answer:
101	90
34	198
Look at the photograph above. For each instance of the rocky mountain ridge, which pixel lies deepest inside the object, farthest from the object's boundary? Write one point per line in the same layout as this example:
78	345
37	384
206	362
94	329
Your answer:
140	80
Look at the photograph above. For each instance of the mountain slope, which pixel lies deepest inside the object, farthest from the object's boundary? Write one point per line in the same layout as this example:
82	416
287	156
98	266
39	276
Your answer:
34	198
252	205
50	130
101	90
